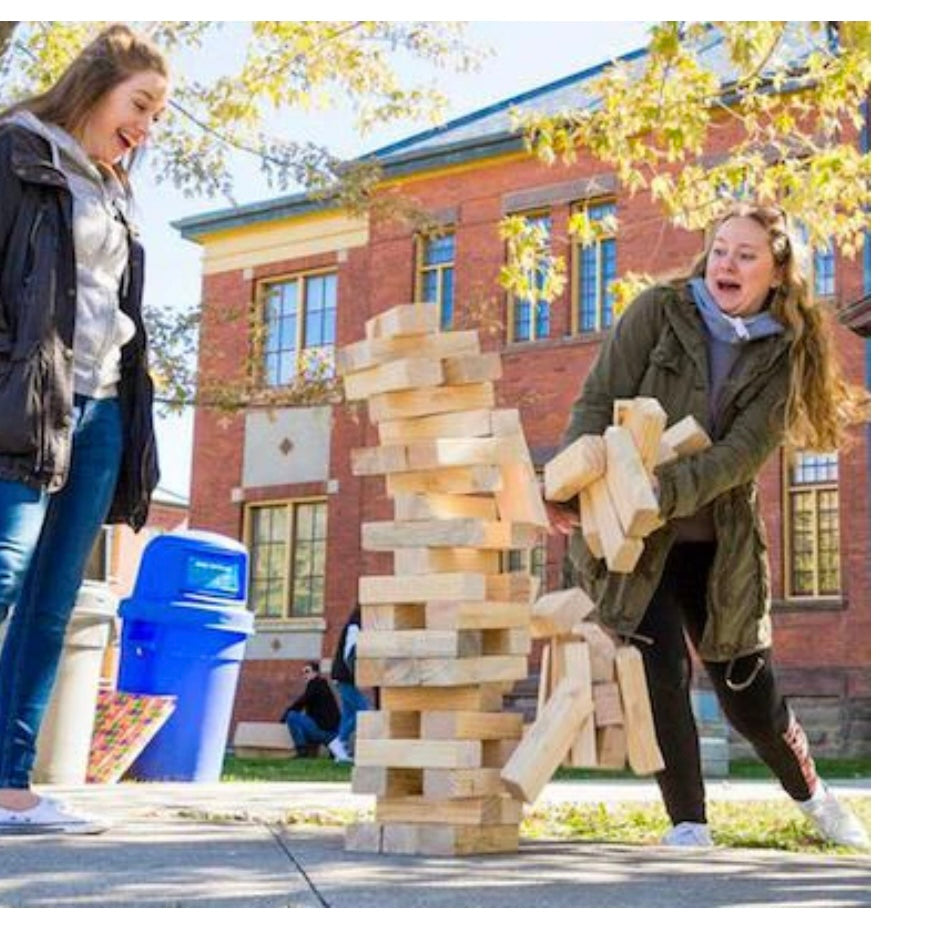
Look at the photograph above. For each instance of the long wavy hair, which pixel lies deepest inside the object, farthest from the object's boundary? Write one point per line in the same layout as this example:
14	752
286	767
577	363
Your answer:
821	404
108	60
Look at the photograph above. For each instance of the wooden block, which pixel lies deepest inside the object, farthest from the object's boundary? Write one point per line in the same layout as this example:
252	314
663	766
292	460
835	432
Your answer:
506	641
589	523
426	506
420	402
404	320
420	560
629	485
543	686
384	724
511	587
387	644
549	738
481	697
621	552
621	407
607	699
642	748
686	437
431	587
367	353
576	663
272	735
474	423
484	367
456	784
398	375
601	648
519	497
378	461
646	421
364	837
449	840
486	810
482	726
458	480
462	451
392	617
498	753
410	671
418	753
449	616
574	468
666	453
388	781
556	613
448	532
612	746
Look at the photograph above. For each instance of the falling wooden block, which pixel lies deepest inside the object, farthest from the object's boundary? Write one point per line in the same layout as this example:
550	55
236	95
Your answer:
475	697
556	613
448	840
547	741
431	587
421	560
394	376
612	746
642	748
607	699
476	615
460	370
418	753
519	498
388	781
384	724
414	644
487	810
482	726
403	617
544	684
462	480
646	421
473	423
601	649
456	784
368	353
404	320
686	437
575	663
589	523
420	402
426	506
629	485
417	671
621	551
449	532
574	468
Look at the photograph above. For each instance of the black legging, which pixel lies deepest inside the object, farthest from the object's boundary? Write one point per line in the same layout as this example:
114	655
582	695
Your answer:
758	712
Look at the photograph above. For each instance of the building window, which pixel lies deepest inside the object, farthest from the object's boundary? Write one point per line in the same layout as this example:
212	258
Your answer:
299	318
287	559
595	267
824	263
812	525
530	318
531	561
436	258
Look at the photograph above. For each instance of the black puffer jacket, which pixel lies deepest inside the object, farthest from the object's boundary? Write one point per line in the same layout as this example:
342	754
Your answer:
38	291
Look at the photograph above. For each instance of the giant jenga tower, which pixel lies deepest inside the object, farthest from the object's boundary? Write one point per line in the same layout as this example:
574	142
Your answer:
448	633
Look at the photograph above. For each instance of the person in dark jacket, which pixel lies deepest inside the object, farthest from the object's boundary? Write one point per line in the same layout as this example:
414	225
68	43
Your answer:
76	440
314	717
343	672
740	346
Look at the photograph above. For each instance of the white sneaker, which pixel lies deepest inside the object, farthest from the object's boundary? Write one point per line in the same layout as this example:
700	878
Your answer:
339	752
49	817
688	835
834	821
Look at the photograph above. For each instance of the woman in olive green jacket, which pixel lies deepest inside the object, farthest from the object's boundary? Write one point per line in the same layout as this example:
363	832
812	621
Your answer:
741	347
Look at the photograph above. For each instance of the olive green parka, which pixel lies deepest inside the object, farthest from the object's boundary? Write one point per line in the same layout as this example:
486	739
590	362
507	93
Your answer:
658	349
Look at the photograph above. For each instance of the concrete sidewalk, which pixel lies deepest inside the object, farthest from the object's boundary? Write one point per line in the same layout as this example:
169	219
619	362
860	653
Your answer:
169	847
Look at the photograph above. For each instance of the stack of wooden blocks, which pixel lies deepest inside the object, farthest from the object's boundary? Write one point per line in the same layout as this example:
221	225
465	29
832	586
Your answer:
446	636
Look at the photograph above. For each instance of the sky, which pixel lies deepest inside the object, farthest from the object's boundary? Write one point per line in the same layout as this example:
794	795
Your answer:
524	56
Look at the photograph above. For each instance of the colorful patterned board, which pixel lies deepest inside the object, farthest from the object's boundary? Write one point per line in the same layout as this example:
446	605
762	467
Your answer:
125	724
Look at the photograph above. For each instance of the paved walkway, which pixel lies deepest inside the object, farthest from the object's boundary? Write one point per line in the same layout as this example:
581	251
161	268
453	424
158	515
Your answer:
169	848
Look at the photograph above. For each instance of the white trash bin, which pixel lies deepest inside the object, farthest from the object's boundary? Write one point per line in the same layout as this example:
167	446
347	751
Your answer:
68	728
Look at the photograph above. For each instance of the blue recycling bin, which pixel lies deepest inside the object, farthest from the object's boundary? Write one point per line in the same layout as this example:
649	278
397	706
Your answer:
184	634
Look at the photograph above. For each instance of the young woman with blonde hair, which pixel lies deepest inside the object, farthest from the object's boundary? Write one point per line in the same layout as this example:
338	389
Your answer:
741	346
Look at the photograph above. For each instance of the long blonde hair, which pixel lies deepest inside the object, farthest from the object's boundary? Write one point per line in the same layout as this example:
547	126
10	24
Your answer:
821	404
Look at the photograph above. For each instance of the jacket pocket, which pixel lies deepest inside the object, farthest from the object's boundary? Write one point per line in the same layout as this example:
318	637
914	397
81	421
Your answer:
21	416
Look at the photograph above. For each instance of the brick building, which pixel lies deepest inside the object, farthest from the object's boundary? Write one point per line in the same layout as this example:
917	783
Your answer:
279	479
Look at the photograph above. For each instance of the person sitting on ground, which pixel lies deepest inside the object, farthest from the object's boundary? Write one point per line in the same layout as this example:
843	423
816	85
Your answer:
314	717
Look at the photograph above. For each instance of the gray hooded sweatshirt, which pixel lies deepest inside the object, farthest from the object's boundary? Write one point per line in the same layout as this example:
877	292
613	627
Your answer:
101	252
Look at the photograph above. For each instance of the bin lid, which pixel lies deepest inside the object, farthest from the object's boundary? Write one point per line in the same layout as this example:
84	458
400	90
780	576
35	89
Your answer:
188	614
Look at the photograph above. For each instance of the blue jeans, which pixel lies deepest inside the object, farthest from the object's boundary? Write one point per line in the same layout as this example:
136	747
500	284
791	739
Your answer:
305	730
351	702
44	543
